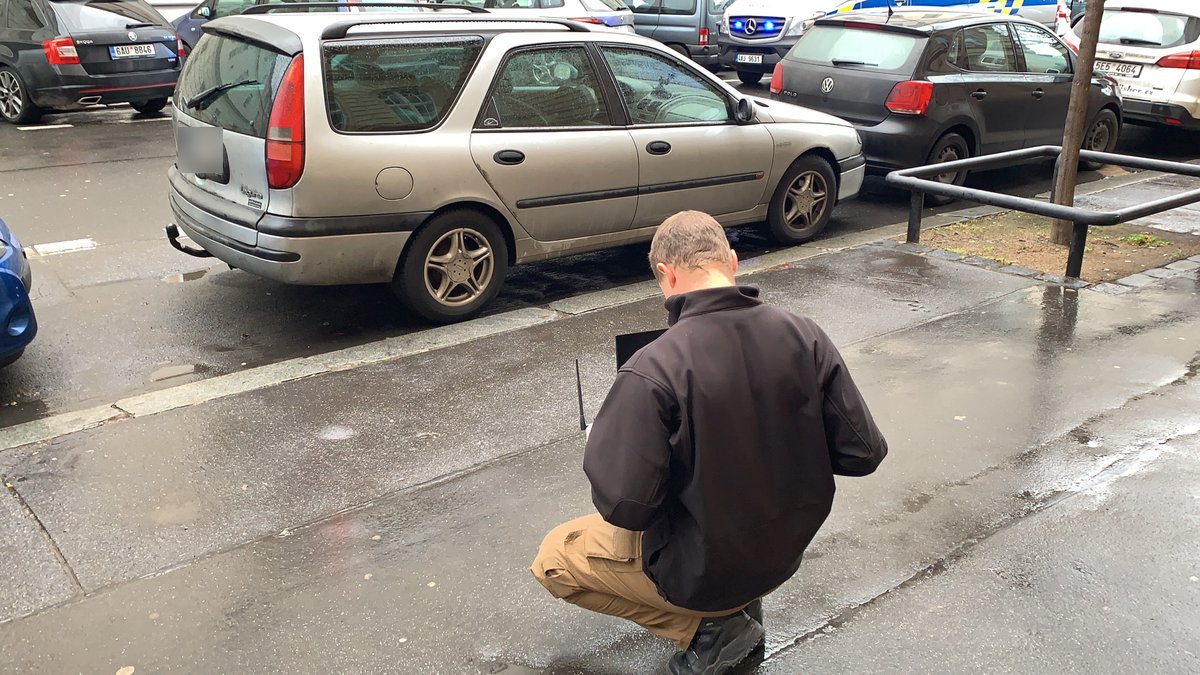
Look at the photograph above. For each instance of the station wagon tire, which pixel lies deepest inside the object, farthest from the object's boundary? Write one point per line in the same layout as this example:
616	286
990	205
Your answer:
748	77
15	104
1101	136
150	107
949	148
803	201
453	266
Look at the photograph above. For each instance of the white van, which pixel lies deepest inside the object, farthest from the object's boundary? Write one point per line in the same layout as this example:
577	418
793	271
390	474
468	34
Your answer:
755	34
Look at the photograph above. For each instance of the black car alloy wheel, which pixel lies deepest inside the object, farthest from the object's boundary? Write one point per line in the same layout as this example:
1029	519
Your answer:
15	106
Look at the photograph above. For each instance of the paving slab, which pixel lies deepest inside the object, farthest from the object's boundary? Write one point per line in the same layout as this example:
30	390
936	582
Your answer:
30	575
1185	220
207	477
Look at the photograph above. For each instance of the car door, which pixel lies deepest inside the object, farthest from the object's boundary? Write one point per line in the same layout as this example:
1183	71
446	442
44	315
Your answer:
1048	64
547	143
999	93
679	22
645	16
22	28
691	152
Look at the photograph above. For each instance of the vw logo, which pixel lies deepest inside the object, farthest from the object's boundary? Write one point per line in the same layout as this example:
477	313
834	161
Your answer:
827	85
751	26
132	36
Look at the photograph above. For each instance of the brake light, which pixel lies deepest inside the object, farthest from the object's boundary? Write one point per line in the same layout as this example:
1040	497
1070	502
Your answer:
180	50
1187	60
589	19
61	52
285	130
910	98
777	79
703	37
862	25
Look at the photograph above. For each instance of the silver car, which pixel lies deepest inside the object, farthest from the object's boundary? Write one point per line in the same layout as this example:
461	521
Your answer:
434	150
613	14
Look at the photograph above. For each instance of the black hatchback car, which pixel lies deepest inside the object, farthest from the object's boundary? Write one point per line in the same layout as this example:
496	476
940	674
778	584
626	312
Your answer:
69	54
924	87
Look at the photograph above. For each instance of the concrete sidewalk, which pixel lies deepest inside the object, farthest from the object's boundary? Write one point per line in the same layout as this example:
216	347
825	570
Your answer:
381	519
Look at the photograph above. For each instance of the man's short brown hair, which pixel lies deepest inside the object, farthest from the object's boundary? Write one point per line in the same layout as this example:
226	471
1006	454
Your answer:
690	240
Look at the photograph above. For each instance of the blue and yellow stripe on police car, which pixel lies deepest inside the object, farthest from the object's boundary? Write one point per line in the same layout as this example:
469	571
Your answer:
998	6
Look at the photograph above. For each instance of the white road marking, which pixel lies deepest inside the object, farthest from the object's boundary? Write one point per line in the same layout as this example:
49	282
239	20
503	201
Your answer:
145	119
46	126
55	248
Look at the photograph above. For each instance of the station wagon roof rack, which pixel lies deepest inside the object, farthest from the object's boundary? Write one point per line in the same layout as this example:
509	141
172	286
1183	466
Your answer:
268	7
339	30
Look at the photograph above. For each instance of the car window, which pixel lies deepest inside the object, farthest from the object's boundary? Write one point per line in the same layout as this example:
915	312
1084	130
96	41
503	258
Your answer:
678	7
552	4
395	85
604	5
717	7
1043	52
550	87
219	60
1148	29
230	7
88	15
658	90
645	6
858	48
22	16
984	49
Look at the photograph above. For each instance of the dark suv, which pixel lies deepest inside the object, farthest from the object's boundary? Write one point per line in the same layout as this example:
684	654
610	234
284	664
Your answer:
924	87
69	54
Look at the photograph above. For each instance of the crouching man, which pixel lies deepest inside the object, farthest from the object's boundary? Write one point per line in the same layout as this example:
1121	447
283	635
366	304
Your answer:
711	461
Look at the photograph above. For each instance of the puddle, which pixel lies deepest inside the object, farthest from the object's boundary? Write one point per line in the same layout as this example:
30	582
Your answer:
186	276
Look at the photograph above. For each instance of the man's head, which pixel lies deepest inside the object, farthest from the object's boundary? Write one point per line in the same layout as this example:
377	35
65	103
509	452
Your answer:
690	252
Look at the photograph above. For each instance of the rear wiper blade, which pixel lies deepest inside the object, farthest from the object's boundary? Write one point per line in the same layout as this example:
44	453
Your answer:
849	62
200	101
140	25
1140	41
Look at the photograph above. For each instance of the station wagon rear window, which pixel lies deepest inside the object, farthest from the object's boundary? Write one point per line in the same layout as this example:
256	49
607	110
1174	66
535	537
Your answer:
252	74
396	85
91	15
858	48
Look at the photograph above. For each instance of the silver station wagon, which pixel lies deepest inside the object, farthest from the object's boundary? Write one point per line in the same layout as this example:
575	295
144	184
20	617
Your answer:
434	148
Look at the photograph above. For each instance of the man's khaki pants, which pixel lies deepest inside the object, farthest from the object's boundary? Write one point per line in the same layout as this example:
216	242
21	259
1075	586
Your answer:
597	566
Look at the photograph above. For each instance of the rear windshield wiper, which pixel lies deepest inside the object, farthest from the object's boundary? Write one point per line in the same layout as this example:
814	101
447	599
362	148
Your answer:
140	25
849	62
1140	41
203	99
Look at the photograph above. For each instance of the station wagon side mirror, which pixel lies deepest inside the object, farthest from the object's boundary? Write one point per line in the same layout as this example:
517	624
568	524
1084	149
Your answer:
743	111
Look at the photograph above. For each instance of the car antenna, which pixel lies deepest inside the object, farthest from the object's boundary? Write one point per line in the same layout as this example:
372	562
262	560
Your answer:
579	392
891	10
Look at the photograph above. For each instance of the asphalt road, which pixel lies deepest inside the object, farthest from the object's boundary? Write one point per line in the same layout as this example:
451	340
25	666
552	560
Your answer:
127	314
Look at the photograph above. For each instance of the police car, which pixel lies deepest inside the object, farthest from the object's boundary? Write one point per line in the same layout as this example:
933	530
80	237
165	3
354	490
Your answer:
755	34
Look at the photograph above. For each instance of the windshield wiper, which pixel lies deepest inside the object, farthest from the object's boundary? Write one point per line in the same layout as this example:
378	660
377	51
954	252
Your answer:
140	25
203	99
849	62
1140	41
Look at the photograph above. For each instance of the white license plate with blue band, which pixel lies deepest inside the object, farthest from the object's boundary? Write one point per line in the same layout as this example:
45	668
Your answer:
131	51
1121	69
749	58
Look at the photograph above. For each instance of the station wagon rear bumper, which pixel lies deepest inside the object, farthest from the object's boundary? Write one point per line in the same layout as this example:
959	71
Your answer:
312	259
1158	113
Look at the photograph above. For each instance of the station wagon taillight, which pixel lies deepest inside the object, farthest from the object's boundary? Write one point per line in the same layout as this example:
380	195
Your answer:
61	52
285	130
704	37
777	79
910	98
589	19
180	48
1187	60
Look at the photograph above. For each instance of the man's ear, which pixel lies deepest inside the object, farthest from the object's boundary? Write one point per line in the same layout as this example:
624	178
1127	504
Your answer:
666	274
733	261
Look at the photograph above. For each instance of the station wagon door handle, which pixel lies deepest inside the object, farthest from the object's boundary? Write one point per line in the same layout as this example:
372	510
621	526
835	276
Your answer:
979	94
509	157
658	147
1039	92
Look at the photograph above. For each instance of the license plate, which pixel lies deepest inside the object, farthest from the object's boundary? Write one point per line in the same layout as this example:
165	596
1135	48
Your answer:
131	51
749	58
200	150
1122	69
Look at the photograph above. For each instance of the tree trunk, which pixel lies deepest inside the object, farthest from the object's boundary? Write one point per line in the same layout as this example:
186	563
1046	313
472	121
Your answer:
1067	172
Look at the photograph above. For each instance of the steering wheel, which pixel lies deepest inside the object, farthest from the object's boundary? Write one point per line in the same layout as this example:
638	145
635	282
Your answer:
668	107
518	103
542	69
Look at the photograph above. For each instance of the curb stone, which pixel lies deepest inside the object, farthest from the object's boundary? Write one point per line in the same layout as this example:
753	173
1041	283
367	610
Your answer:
1137	280
1184	265
1110	288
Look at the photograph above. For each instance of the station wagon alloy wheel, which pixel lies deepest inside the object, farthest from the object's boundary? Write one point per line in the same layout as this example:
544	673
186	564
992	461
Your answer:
15	106
459	267
803	201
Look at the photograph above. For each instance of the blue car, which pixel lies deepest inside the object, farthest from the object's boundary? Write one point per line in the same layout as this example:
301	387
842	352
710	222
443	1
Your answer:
19	325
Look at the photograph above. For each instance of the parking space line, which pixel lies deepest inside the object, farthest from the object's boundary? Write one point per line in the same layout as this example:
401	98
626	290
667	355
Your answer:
145	119
57	247
46	126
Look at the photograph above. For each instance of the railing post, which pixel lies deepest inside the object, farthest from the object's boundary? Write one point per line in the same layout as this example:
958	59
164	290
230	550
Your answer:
1075	256
914	216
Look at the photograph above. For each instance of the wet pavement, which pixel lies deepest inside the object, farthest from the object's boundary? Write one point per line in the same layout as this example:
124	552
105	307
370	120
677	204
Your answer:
381	519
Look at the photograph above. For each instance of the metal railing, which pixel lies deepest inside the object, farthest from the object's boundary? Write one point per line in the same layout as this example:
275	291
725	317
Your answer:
917	181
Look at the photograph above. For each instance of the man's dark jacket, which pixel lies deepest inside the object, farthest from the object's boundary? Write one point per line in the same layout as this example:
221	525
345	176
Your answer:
721	439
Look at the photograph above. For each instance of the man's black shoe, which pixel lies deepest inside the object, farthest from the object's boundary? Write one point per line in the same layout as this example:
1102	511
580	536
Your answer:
719	645
754	611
